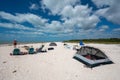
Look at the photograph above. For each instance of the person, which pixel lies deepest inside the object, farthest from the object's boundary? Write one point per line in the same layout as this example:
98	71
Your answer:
15	43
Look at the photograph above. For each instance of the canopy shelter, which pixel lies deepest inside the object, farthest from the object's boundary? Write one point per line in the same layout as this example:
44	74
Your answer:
91	56
52	44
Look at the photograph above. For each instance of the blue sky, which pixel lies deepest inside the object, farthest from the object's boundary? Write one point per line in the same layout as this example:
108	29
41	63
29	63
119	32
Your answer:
57	20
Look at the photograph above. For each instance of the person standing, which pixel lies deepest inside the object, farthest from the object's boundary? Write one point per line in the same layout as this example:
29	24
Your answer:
15	43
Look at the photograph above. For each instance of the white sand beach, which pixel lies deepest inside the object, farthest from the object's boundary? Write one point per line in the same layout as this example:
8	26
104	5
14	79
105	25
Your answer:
57	64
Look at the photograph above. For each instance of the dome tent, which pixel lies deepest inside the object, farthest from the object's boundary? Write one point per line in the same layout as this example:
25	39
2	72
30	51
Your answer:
91	56
52	44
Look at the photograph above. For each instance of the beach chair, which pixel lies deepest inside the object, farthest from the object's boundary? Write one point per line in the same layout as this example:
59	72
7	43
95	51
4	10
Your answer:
31	51
16	51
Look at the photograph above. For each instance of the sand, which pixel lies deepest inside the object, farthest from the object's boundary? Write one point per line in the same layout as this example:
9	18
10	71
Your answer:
57	64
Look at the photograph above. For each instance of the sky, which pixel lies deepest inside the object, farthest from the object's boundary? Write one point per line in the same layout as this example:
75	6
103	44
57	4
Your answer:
58	20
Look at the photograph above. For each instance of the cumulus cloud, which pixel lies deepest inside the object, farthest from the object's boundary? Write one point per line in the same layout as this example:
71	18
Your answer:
20	18
77	11
32	33
111	13
79	16
33	19
101	12
7	16
102	3
84	23
103	28
55	26
15	26
116	30
55	6
75	19
78	20
34	7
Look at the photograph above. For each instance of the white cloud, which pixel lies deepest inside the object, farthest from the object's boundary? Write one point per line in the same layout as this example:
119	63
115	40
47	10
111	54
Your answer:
33	19
7	16
77	11
116	30
15	26
101	3
55	26
79	20
32	33
111	13
72	25
58	28
34	7
20	18
74	18
103	28
101	12
17	20
55	6
79	16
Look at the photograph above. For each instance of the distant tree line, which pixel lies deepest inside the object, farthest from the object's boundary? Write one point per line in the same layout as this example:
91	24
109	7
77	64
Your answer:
101	40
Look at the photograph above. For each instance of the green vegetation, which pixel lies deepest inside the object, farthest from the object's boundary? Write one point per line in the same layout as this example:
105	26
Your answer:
104	41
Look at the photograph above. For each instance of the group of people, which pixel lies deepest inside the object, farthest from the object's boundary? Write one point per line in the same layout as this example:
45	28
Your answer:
30	50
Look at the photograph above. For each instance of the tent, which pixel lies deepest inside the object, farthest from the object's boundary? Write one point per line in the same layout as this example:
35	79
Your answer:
91	56
52	44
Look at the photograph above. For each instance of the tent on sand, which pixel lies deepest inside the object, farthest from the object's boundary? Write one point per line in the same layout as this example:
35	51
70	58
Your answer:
91	56
52	44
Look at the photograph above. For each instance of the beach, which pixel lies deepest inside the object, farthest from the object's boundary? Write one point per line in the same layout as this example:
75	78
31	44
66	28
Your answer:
57	64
